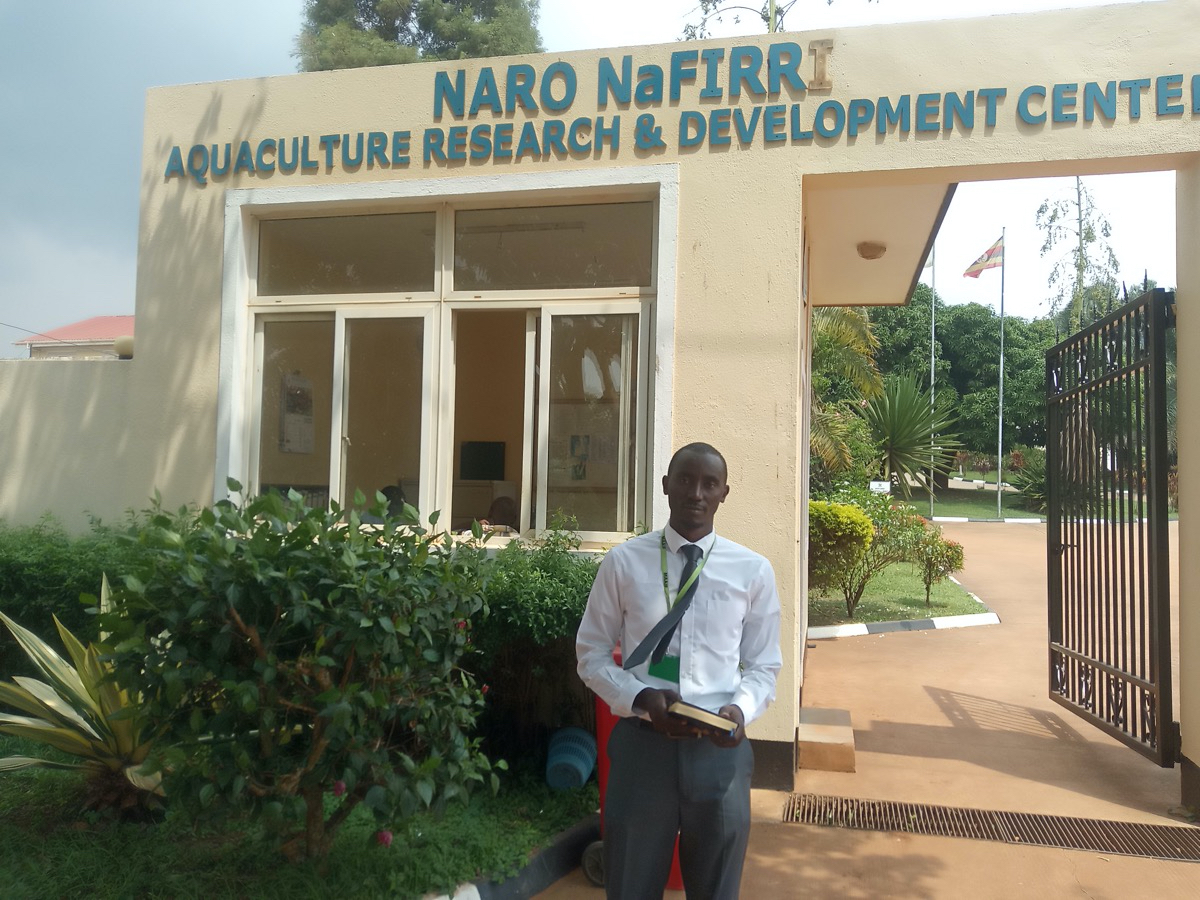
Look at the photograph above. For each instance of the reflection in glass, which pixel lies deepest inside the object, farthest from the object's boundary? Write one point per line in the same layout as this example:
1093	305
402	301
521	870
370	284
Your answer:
592	410
593	246
297	389
346	254
382	446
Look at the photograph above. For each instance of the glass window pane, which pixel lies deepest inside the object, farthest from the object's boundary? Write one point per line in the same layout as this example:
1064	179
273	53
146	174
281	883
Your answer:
599	245
297	403
346	254
489	416
593	391
384	365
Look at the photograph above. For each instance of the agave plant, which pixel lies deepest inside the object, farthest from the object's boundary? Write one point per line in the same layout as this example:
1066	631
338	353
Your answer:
911	434
80	710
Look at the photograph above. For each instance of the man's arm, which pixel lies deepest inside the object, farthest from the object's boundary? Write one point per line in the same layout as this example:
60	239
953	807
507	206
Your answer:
599	633
760	652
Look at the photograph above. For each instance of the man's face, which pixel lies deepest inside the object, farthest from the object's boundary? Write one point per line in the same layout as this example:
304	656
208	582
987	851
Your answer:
695	486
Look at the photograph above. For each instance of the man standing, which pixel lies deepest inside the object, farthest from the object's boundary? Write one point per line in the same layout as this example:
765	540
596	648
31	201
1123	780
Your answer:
697	618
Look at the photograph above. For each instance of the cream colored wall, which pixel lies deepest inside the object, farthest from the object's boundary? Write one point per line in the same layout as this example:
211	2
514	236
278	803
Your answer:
1187	305
740	323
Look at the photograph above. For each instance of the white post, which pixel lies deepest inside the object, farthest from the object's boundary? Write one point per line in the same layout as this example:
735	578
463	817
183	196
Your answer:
932	367
1000	417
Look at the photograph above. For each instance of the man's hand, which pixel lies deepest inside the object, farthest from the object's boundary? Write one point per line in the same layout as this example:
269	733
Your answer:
655	703
731	711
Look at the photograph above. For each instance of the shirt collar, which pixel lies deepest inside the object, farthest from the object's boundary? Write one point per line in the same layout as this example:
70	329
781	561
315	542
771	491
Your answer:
675	540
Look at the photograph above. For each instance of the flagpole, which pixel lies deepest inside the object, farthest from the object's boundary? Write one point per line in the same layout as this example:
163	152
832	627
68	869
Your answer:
1000	417
932	333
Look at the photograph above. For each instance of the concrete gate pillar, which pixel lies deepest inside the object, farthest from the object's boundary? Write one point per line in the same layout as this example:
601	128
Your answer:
1187	302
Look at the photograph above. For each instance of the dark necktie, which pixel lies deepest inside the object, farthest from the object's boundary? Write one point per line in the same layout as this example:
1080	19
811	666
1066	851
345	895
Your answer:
660	635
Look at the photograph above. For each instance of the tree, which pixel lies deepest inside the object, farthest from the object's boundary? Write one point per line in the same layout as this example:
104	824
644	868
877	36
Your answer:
969	339
716	11
1084	277
843	373
903	336
346	34
936	558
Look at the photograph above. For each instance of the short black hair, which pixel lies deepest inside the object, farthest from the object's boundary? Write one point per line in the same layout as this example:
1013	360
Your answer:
698	448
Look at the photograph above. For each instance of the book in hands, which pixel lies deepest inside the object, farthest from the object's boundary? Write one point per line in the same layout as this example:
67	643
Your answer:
703	719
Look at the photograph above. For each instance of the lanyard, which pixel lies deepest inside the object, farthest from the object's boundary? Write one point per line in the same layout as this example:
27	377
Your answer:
683	588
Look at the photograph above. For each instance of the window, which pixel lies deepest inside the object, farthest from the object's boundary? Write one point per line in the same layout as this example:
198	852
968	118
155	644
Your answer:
443	398
564	247
590	420
346	254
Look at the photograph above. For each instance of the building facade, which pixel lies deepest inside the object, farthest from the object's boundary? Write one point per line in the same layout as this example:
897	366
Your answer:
532	278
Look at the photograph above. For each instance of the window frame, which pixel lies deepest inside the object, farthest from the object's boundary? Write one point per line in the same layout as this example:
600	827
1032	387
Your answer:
239	391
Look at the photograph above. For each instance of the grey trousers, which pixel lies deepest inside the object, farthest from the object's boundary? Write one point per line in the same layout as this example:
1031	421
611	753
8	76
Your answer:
658	787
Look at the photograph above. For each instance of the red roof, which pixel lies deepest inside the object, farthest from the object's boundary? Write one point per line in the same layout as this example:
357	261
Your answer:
97	328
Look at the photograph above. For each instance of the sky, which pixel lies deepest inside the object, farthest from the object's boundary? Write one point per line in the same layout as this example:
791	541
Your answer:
72	90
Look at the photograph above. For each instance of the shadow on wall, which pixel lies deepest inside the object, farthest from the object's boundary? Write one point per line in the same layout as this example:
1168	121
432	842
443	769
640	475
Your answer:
95	438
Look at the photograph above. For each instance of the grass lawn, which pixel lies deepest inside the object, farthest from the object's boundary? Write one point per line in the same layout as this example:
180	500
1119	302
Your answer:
895	594
49	848
973	503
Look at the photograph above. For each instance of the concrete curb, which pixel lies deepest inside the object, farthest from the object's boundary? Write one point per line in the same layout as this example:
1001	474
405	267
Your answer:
825	632
979	481
1007	520
554	861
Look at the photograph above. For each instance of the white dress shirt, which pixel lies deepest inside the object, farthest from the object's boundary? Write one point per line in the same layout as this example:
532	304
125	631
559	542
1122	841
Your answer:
727	641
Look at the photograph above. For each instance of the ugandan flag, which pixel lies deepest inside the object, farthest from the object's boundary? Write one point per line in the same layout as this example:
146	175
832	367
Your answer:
990	259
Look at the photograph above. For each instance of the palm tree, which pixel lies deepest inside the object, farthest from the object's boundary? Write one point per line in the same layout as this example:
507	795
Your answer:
843	345
902	421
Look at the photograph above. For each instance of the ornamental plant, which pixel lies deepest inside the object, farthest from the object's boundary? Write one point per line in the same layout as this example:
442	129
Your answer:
300	664
936	558
77	708
896	532
838	536
1031	481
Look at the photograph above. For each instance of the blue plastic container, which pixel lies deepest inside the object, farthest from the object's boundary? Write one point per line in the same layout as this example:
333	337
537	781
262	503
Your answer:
571	758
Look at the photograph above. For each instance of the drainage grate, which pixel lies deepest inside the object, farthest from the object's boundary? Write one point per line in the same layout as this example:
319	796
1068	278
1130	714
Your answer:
1173	842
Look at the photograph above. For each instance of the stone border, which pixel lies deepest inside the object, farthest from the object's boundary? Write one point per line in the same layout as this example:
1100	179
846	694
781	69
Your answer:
554	861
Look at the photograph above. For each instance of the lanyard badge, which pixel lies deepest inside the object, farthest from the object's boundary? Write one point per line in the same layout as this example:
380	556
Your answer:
668	667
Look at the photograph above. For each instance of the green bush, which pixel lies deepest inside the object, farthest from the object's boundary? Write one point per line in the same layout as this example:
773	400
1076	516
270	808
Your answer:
936	557
838	536
535	594
43	573
298	665
897	531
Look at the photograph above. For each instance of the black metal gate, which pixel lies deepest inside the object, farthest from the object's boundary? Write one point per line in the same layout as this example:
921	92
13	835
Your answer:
1106	469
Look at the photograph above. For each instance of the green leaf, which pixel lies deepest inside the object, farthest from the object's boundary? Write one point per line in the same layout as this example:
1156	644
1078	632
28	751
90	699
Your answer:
51	664
17	763
425	792
376	798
